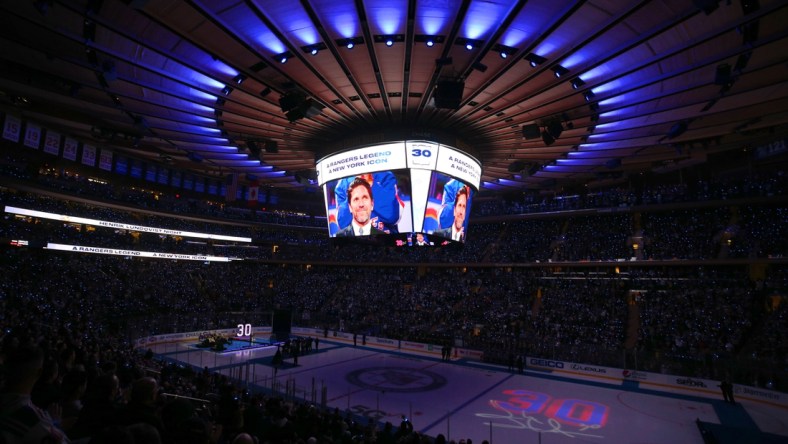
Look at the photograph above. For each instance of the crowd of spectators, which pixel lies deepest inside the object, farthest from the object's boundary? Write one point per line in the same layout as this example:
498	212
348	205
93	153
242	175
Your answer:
706	189
727	232
308	210
81	310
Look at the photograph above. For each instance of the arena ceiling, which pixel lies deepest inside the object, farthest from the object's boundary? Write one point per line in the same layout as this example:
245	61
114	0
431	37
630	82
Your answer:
264	88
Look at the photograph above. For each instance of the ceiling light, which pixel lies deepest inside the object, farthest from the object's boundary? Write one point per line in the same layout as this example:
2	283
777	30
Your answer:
239	79
534	60
226	90
469	44
389	39
504	51
314	49
559	71
350	42
589	95
283	57
429	40
577	82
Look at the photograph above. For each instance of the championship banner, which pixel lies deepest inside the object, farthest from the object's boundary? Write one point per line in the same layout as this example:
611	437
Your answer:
70	149
89	155
52	143
163	175
12	128
32	136
175	180
105	161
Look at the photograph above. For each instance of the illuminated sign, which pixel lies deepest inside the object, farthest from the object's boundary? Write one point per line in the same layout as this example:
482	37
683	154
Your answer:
135	253
413	193
122	226
540	412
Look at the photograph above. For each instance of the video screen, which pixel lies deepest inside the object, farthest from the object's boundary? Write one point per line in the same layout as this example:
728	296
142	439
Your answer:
408	193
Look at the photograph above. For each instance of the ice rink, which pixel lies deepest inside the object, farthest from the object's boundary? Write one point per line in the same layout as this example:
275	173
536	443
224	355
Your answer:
463	399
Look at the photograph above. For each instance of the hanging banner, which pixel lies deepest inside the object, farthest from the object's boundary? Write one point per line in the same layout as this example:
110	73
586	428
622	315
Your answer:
105	161
12	128
70	149
89	155
52	143
33	136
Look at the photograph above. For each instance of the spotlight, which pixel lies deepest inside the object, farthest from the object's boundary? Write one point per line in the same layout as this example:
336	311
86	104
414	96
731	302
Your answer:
577	82
559	71
389	39
469	44
504	51
314	49
534	60
283	57
239	79
226	90
429	40
350	42
589	95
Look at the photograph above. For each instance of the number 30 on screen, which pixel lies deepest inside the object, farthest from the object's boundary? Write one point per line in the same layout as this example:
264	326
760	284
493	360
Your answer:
244	330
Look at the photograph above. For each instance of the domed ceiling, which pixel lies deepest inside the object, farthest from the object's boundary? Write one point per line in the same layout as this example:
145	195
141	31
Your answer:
545	93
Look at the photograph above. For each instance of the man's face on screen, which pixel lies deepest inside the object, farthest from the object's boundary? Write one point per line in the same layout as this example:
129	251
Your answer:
459	210
360	204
